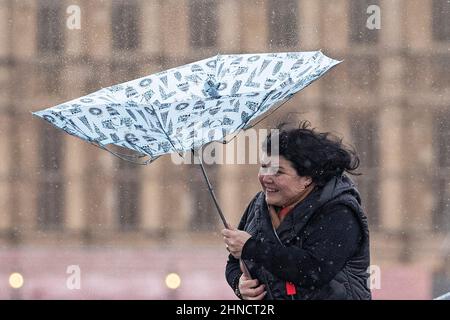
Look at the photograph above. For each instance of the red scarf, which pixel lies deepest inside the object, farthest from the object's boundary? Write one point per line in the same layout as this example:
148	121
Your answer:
283	213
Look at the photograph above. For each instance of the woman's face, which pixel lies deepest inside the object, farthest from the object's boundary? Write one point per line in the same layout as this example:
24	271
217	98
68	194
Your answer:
280	181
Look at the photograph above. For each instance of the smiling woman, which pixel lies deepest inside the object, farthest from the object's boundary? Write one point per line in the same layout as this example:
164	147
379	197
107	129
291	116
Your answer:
305	236
285	187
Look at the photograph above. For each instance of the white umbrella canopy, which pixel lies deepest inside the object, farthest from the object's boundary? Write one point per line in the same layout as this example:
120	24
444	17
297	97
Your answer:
184	108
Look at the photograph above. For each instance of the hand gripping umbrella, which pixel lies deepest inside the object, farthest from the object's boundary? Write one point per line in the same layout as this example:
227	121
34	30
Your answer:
187	107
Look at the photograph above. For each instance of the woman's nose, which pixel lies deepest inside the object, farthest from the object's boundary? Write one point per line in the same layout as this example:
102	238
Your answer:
267	178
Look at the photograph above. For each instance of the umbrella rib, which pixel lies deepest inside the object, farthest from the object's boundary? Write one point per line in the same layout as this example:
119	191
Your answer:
273	111
247	121
167	136
236	133
117	154
262	102
124	156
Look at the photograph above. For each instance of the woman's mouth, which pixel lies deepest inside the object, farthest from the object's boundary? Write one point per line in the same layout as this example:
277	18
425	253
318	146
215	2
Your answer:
270	190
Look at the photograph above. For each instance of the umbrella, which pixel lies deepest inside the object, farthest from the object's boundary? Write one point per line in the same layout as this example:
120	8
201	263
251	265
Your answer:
187	107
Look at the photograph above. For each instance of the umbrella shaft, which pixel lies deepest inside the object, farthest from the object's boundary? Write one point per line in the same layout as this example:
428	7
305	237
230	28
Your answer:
211	190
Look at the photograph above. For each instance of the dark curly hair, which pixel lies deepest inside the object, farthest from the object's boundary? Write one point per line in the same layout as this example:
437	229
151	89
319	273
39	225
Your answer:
319	155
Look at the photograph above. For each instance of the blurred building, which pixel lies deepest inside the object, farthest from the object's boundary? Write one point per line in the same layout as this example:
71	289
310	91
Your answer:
64	202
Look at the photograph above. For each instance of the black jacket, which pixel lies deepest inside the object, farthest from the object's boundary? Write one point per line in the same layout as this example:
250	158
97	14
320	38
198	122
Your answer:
277	257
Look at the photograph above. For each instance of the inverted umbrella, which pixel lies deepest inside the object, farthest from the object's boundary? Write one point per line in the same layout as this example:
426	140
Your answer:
184	108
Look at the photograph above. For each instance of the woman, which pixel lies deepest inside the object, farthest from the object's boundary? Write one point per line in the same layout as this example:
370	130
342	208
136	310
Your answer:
305	236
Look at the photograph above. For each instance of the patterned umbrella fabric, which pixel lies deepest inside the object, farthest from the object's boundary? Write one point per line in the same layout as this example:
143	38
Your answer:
184	108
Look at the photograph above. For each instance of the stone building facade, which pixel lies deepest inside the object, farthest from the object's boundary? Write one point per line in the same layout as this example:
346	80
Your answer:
390	99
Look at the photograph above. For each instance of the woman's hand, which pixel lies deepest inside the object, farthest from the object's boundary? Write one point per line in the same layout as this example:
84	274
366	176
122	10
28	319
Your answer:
250	290
235	240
